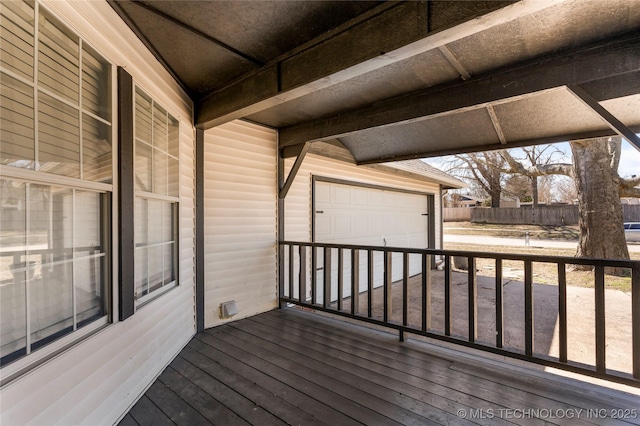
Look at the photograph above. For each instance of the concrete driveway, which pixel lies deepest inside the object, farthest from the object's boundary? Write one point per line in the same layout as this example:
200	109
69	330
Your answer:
581	316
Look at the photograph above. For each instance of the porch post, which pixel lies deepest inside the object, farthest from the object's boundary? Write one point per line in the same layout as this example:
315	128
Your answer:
280	231
199	230
283	188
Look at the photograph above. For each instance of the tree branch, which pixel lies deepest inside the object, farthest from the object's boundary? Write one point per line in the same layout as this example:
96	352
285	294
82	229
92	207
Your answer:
535	170
632	192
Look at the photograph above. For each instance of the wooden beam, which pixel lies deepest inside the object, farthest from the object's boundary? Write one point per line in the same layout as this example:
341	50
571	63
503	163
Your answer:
198	33
464	74
294	171
615	124
496	124
364	45
587	65
482	148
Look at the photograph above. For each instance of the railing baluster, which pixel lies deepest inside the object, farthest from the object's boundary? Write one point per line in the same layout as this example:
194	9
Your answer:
326	282
390	318
426	292
635	320
447	295
600	320
314	274
387	302
291	269
562	311
499	306
302	283
355	281
405	292
528	308
340	278
369	283
473	306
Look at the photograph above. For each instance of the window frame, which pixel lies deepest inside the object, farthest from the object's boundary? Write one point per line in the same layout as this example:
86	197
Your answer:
31	175
173	201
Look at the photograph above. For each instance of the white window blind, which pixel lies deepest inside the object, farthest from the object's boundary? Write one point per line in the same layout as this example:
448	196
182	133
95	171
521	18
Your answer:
56	107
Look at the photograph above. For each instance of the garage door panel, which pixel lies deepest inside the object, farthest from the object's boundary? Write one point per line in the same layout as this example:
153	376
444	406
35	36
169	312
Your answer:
341	195
389	225
323	194
341	226
360	196
376	224
360	226
375	197
323	227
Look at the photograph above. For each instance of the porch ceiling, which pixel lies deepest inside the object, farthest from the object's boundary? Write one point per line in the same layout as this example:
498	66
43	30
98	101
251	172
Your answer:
402	80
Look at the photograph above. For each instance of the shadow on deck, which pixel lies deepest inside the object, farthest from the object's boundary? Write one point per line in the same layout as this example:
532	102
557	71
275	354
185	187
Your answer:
293	367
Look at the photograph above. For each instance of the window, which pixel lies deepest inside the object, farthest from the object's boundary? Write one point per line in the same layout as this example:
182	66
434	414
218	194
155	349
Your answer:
55	191
156	203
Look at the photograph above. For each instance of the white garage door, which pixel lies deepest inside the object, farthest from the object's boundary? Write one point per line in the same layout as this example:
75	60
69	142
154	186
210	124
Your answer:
361	215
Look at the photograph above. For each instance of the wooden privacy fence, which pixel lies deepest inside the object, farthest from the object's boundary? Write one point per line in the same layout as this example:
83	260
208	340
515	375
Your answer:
547	215
543	215
343	279
456	214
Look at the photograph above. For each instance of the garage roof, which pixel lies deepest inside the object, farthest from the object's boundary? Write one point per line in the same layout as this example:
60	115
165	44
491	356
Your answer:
398	80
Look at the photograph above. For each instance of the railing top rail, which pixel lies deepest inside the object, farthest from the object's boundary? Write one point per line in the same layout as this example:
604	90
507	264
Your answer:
616	263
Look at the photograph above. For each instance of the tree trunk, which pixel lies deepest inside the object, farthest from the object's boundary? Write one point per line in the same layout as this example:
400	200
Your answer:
496	189
600	210
534	190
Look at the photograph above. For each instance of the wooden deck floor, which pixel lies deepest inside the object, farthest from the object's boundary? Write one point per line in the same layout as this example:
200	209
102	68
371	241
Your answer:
293	367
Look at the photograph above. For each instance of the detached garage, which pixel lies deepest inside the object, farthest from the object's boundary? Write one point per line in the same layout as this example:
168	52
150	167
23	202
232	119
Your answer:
332	200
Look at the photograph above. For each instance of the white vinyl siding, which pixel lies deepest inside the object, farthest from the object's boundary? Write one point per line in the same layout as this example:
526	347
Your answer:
240	203
97	380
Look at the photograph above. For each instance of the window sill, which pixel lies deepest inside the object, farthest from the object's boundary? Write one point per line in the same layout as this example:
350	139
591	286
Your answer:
33	360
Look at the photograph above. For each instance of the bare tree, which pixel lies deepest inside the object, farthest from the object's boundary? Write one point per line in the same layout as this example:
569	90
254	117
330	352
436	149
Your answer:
545	189
539	156
599	188
483	169
518	186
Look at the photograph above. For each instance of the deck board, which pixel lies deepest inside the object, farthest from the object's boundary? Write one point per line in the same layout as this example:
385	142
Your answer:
498	389
293	367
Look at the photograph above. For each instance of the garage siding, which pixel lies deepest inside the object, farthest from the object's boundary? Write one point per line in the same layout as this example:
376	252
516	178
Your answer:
240	220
